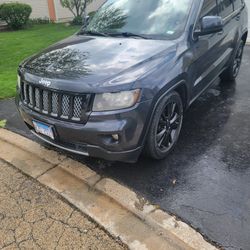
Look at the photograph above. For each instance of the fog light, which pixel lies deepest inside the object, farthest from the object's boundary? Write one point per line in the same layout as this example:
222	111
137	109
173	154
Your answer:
115	137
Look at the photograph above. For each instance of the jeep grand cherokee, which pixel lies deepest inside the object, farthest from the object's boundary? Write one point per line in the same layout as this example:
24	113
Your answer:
121	84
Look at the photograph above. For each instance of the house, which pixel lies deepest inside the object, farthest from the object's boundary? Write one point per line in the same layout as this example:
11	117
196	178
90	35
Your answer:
52	9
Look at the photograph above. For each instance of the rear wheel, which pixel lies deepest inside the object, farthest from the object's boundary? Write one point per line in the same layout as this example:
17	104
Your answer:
166	126
232	71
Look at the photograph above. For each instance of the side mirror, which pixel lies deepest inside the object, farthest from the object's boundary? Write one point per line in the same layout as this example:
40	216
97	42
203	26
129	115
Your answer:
210	25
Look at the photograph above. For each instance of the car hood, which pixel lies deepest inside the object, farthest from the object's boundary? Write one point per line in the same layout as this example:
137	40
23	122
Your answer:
95	61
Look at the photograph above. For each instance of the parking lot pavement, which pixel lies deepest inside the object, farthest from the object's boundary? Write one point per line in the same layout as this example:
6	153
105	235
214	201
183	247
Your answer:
32	217
205	180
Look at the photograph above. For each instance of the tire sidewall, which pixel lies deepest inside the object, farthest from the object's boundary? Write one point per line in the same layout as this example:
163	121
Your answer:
151	145
240	44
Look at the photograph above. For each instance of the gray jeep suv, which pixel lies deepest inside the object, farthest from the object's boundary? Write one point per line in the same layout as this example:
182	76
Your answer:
121	84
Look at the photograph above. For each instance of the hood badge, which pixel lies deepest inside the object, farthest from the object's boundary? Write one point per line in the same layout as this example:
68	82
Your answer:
45	82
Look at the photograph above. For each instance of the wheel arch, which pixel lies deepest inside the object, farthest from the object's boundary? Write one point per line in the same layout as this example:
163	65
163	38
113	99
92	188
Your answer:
244	37
181	88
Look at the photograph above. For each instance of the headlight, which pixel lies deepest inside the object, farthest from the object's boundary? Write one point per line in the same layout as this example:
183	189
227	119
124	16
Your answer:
18	81
115	101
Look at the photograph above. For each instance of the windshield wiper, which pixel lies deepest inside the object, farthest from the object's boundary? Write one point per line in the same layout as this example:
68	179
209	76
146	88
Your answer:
92	33
129	34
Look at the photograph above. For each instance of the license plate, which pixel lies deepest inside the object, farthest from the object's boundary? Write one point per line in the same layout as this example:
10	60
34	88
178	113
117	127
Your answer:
44	129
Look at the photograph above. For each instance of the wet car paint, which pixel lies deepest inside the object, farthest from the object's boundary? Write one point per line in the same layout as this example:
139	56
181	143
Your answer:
205	180
83	64
88	64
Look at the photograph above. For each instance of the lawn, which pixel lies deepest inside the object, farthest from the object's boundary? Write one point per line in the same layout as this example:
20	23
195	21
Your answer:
17	45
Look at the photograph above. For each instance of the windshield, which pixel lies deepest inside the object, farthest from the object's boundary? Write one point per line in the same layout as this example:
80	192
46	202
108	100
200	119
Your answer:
151	18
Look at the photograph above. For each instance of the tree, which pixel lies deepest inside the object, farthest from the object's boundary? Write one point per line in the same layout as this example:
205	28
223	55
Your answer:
77	7
108	18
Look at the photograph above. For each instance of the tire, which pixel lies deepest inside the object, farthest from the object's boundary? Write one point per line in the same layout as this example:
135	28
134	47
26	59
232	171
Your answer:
231	73
165	127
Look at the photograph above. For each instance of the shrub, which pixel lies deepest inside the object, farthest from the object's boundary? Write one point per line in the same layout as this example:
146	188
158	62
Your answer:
1	5
39	21
16	15
91	14
77	21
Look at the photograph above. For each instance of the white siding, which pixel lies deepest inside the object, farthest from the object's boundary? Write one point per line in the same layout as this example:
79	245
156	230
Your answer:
63	14
95	5
39	7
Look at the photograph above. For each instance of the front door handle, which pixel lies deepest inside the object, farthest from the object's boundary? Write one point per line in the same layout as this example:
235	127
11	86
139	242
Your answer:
237	18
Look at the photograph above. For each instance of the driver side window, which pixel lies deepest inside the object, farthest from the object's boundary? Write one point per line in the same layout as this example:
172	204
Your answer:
209	8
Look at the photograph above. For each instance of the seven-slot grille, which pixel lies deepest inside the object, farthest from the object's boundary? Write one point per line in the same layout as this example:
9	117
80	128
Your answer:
56	104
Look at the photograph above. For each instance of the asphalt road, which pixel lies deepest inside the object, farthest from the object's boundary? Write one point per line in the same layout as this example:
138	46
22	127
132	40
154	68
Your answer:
206	179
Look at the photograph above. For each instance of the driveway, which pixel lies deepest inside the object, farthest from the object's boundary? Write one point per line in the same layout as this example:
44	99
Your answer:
206	179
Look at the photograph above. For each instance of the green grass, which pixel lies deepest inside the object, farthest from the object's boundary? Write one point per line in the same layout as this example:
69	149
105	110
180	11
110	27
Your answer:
15	46
2	123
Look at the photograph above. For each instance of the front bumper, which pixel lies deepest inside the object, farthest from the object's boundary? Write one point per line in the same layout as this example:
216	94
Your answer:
95	137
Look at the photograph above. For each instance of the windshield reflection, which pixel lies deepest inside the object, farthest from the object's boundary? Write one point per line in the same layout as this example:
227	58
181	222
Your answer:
153	17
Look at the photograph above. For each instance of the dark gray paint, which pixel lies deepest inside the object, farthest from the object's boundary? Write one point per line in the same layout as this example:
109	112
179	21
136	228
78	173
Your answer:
87	64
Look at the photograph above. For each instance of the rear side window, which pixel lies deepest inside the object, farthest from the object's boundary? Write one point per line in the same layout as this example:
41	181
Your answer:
225	8
237	4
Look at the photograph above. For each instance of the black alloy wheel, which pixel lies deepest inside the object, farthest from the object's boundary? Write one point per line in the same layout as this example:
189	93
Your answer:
238	60
166	126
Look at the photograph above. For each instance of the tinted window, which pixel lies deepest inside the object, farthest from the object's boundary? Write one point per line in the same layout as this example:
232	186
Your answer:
237	4
152	17
209	8
226	8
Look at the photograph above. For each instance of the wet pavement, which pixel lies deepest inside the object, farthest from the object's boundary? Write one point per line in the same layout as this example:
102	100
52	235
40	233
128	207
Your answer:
205	181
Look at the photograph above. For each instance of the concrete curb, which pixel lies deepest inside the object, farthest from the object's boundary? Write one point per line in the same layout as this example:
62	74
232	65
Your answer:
124	214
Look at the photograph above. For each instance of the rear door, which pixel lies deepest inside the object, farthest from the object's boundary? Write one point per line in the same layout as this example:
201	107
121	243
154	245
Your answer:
239	17
231	33
230	15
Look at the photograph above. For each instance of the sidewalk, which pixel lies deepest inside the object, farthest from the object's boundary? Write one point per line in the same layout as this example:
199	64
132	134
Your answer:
33	217
139	224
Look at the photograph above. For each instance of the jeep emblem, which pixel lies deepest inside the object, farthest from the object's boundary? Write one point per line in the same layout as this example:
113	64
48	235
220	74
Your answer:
45	82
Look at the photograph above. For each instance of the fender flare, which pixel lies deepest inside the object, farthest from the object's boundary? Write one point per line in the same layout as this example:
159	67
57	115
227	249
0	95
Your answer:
152	111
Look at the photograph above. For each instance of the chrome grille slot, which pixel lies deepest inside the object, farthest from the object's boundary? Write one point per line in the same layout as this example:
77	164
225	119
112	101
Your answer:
45	101
65	106
77	107
59	105
25	93
30	94
55	102
37	99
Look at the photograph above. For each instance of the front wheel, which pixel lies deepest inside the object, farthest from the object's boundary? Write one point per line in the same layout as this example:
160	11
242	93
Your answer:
166	126
232	71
